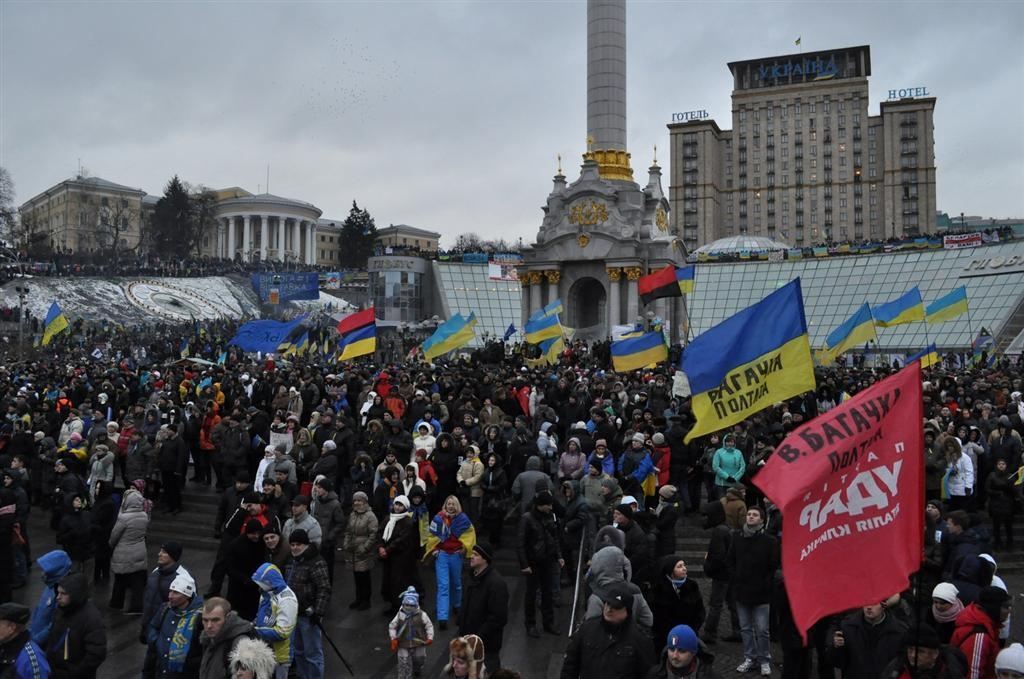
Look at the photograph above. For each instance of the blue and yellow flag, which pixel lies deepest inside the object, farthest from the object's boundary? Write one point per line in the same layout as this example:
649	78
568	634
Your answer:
302	344
854	331
223	358
542	328
551	349
639	352
183	349
928	356
947	307
907	308
552	309
56	322
454	333
749	361
982	343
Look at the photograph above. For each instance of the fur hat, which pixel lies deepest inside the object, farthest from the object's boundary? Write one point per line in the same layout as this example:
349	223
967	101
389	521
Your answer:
471	649
255	655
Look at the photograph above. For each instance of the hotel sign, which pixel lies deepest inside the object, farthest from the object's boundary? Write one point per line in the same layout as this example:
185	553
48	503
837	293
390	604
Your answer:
802	69
689	116
908	93
993	266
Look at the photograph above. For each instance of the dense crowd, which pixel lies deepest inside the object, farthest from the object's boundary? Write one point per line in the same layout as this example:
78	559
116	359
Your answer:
129	264
391	474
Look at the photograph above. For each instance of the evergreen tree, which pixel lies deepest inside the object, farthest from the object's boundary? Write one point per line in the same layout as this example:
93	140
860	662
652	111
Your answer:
173	218
358	235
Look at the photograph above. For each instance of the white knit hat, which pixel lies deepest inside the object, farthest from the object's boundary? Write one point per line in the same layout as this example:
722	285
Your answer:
1011	658
184	584
946	591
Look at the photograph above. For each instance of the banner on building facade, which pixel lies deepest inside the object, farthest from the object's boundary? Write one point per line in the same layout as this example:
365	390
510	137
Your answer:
501	271
287	286
962	240
850	485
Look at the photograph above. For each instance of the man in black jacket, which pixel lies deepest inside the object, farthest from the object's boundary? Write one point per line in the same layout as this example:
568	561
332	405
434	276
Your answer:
638	547
716	567
484	609
609	647
78	642
172	459
753	559
865	642
540	557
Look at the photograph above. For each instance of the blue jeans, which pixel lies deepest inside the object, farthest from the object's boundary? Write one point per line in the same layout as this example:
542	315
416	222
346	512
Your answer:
308	646
449	582
754	630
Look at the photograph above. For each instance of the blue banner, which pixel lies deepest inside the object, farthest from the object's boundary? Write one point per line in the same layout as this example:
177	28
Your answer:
289	286
264	336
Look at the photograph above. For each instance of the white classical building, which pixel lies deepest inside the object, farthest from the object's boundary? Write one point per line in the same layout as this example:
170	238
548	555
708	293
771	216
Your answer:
265	227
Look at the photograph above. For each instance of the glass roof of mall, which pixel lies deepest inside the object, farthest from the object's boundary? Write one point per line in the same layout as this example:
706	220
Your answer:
834	287
466	288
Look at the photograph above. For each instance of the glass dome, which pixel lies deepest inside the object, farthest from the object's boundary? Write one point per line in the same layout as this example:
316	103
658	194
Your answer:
737	244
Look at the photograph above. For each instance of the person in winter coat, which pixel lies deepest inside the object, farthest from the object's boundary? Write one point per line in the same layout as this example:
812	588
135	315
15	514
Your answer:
451	538
572	462
579	525
494	502
540	559
976	634
684	656
410	632
638	547
277	614
925	655
1002	493
466	659
528	483
306	575
727	464
20	657
547	444
326	510
590	485
75	533
865	642
128	560
675	598
158	583
666	514
716	567
244	554
54	566
610	646
103	516
223	629
101	467
609	568
636	468
362	474
735	506
399	550
959	478
174	650
470	477
77	644
446	463
753	558
661	456
358	548
484	609
603	456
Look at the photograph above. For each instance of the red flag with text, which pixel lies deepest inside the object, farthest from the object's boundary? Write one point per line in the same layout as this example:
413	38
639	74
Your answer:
850	485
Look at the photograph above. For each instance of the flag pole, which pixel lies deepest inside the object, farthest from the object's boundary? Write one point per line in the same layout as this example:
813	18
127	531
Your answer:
970	328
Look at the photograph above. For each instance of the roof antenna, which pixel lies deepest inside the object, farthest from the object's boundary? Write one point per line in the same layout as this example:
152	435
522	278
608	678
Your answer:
268	177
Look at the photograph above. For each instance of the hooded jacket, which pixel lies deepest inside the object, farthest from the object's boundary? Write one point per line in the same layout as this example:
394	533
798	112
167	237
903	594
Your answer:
674	605
525	485
976	635
278	612
78	643
608	567
128	539
216	650
55	565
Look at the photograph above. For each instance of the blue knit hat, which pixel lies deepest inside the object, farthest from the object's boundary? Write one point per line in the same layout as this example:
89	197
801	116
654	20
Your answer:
682	638
410	597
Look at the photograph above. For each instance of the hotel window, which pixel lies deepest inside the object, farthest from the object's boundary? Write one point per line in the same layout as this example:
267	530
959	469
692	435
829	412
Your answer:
796	108
812	107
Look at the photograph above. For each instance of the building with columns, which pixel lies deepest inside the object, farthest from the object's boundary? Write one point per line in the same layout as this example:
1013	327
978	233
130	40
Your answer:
604	231
265	227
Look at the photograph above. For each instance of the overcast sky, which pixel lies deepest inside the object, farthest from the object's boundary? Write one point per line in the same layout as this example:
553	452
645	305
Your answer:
449	115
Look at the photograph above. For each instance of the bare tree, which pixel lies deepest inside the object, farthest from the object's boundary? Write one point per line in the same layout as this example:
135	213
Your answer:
203	221
8	215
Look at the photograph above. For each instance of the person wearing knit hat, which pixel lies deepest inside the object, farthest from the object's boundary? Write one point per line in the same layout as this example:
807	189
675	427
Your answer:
604	456
976	634
924	655
540	559
636	468
410	632
683	656
358	548
173	636
1010	659
485	603
946	607
17	649
466	658
611	644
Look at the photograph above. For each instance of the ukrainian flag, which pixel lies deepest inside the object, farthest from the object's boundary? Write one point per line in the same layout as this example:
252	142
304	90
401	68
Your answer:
639	352
908	308
358	334
552	309
928	357
855	330
947	307
302	344
552	348
183	349
454	333
542	328
56	322
749	361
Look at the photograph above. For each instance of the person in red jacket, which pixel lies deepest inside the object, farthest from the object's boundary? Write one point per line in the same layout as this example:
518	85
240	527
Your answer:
976	634
661	455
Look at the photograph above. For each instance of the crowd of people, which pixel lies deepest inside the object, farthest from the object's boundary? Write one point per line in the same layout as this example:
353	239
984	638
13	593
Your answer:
62	265
401	474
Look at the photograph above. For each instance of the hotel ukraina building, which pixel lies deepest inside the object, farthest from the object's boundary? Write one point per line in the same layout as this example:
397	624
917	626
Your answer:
804	162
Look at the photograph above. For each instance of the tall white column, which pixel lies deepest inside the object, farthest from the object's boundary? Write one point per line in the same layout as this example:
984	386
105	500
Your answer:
632	294
614	276
311	243
535	292
231	237
280	238
247	238
264	236
296	240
